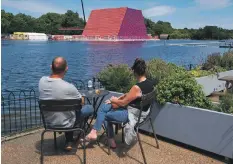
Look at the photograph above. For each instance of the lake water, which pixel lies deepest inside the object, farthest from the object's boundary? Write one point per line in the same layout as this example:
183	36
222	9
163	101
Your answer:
25	62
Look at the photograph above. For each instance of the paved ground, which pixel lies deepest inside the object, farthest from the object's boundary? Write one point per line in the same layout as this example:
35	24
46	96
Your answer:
26	150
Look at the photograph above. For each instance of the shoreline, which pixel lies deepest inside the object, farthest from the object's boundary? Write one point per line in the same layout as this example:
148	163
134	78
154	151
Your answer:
92	40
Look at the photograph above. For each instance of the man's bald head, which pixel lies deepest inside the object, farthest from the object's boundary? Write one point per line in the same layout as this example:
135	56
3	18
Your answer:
59	65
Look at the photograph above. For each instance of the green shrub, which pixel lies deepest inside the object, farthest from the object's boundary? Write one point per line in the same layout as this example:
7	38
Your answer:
158	69
117	78
182	88
227	60
226	104
176	69
212	61
199	72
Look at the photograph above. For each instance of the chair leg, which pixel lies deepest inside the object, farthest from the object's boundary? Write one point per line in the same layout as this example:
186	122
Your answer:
83	127
122	136
140	144
41	147
153	128
99	138
55	140
116	128
84	147
108	142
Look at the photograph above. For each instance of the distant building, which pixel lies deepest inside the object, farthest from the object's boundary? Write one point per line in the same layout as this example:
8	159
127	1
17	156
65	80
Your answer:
164	36
116	23
36	36
58	37
29	36
5	36
149	36
156	37
18	36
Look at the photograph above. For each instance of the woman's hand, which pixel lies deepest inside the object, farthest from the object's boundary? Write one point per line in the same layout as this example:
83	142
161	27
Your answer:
113	99
107	102
114	106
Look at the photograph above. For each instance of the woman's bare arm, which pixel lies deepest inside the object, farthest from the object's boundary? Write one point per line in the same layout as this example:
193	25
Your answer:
134	93
122	96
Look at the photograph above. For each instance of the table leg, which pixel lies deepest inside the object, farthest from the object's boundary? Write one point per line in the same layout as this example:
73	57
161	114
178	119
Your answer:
88	101
96	108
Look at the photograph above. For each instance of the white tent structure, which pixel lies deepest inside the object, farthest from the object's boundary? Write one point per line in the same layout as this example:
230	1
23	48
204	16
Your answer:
36	36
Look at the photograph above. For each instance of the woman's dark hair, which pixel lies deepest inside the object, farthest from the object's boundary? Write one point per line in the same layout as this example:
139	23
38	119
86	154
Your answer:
139	67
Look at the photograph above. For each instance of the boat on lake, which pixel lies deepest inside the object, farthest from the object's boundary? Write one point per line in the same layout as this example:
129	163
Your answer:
226	44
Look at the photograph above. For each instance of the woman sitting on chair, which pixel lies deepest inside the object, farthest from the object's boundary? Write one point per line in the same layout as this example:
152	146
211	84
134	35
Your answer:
115	109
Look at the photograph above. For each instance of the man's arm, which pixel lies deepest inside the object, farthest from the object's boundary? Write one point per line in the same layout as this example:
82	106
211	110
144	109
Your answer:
83	100
76	95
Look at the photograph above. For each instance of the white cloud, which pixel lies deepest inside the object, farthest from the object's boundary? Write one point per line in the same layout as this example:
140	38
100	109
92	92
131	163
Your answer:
33	6
158	11
214	4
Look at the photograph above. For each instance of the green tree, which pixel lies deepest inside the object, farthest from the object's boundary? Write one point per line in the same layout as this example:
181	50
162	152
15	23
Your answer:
22	23
157	29
165	26
49	23
71	19
6	19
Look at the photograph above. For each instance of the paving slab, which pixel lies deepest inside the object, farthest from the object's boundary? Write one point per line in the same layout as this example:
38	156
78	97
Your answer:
26	150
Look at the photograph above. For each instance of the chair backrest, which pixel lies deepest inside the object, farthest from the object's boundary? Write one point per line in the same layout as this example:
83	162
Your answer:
146	100
59	106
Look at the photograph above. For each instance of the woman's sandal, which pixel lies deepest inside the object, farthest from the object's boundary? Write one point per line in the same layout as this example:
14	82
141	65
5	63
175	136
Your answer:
106	143
87	139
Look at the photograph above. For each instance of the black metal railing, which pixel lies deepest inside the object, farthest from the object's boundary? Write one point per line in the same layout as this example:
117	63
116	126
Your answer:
20	111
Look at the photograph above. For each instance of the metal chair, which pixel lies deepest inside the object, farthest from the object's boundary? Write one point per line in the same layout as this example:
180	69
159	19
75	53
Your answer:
59	106
146	100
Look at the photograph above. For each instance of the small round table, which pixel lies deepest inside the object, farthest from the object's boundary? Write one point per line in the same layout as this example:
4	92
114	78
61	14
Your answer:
92	95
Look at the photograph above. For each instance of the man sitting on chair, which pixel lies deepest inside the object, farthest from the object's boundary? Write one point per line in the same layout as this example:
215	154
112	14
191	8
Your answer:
53	87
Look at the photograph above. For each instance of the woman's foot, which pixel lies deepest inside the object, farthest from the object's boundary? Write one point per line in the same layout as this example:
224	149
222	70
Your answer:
92	136
112	143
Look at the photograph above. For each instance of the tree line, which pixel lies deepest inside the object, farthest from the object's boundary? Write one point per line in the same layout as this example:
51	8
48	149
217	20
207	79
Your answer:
208	32
50	23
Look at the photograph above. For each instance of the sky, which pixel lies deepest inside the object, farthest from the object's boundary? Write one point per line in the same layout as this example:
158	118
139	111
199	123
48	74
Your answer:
180	13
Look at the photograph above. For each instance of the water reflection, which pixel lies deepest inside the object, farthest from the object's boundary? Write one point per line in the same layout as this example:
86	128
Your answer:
24	62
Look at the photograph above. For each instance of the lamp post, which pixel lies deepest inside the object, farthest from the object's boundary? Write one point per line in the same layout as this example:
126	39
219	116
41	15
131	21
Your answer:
83	13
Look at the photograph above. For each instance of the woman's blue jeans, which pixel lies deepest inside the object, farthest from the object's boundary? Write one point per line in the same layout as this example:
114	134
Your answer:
106	114
85	112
